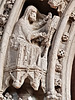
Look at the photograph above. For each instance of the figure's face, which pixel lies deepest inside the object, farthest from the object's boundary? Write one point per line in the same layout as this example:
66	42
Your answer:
32	16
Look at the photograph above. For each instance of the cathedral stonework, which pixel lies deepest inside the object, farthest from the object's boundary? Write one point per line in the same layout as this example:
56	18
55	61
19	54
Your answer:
37	49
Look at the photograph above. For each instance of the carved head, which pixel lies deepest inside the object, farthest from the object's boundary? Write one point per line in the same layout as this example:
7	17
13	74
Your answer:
30	13
32	16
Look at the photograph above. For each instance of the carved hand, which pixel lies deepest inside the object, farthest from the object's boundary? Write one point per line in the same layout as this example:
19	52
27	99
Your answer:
46	41
36	35
44	35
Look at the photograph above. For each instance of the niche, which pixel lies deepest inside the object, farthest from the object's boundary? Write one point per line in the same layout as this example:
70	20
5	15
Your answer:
41	5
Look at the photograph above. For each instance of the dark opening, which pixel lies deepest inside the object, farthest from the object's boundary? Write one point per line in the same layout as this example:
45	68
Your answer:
58	89
41	5
73	81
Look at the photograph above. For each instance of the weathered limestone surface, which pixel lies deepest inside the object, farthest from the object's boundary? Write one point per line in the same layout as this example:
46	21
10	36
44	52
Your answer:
36	50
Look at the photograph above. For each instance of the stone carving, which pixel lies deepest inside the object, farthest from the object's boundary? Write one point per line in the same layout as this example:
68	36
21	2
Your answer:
18	68
9	97
3	20
58	79
58	67
60	4
65	37
29	46
73	14
61	53
6	8
52	95
58	82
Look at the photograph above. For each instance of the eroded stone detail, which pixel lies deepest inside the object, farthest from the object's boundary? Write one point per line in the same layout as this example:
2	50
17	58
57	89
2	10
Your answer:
3	20
58	67
41	41
52	96
29	44
61	53
73	14
9	97
65	37
7	7
60	5
60	58
34	74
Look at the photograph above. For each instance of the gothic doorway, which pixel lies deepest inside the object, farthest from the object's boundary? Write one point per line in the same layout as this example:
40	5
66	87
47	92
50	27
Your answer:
73	81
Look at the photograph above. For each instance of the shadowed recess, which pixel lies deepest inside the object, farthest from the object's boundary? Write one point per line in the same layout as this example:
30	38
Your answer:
41	5
25	91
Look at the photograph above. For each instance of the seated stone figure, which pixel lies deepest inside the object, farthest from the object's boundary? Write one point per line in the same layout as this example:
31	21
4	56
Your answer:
29	48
